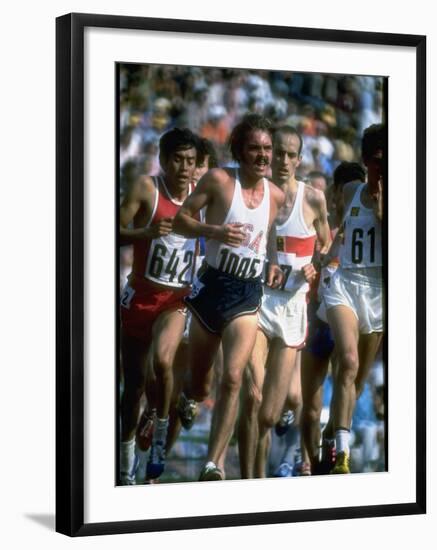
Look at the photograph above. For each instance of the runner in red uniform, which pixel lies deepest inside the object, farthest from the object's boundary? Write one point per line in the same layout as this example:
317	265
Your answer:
151	303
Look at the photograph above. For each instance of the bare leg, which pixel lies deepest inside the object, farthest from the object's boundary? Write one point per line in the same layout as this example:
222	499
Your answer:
145	425
344	326
202	349
368	345
251	397
314	371
329	430
179	368
134	361
167	334
238	340
222	458
218	373
150	388
261	456
293	403
280	364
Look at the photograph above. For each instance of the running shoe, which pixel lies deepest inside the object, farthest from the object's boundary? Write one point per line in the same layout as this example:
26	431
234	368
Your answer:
210	472
144	433
156	462
284	423
341	464
284	470
187	411
327	461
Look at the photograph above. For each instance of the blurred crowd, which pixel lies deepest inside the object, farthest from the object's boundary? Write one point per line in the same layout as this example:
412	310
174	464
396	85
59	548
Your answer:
330	111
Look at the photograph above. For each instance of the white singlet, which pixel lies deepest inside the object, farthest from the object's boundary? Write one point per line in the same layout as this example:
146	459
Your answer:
357	283
246	261
362	236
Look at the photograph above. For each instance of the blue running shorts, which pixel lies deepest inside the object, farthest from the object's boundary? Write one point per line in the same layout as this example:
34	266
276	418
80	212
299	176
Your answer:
217	298
319	341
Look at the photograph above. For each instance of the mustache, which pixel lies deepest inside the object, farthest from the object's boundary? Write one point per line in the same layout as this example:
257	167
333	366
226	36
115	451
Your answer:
262	159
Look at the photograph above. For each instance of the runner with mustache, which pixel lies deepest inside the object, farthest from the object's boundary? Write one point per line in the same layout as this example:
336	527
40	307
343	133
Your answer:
241	205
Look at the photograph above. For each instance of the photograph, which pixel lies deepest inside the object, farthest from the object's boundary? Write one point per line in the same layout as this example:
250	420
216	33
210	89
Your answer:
231	285
226	341
251	281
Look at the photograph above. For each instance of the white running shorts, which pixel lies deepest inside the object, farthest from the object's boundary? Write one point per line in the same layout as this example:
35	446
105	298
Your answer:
284	315
365	300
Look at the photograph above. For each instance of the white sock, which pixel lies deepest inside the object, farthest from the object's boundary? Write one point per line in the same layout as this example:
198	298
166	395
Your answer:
161	427
342	440
127	456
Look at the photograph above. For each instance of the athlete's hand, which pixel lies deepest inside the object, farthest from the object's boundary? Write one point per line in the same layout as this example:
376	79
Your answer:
231	234
275	276
309	272
160	229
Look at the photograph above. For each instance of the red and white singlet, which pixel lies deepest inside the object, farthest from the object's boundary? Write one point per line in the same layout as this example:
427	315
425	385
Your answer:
168	260
246	261
295	244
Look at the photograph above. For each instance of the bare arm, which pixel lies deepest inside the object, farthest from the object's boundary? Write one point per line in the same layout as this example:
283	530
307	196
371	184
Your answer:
275	275
321	222
277	202
142	192
316	199
272	250
185	222
334	249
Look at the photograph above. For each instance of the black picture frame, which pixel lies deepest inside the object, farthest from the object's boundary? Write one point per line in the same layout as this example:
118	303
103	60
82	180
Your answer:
70	272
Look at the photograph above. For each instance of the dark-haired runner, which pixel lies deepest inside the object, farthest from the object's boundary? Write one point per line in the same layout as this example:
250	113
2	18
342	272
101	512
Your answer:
354	298
240	208
152	307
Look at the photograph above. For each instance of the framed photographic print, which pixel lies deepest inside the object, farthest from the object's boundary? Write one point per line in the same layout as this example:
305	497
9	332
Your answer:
180	145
